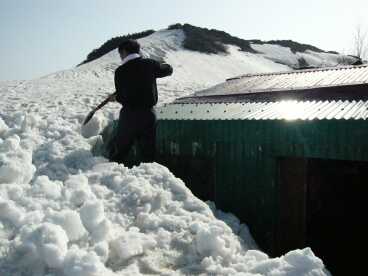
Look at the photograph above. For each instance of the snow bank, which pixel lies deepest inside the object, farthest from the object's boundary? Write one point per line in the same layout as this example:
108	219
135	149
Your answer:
106	219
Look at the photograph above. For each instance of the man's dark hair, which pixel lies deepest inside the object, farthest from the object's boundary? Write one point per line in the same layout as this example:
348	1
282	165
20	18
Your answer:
131	46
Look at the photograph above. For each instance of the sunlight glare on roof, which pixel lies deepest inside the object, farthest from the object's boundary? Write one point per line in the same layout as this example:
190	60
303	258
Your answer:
289	110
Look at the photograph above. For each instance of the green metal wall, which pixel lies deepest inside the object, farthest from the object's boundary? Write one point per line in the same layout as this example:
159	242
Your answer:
245	154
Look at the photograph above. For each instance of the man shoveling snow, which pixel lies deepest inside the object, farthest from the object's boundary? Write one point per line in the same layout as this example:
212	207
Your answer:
136	90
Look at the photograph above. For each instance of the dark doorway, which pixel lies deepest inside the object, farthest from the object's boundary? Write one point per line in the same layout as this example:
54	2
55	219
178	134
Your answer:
329	207
336	227
293	188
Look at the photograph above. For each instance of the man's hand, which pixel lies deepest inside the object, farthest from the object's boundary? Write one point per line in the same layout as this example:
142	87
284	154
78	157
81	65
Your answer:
112	98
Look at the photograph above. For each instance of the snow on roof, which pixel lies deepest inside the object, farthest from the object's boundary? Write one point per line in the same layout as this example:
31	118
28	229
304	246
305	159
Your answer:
289	81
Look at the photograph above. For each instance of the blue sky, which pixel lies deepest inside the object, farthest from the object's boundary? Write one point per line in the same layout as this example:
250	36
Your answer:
43	36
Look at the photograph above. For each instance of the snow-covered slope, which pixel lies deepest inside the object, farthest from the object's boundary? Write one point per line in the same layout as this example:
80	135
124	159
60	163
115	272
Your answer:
65	212
81	88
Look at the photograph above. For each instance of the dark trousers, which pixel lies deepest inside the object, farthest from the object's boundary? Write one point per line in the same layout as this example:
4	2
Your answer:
135	125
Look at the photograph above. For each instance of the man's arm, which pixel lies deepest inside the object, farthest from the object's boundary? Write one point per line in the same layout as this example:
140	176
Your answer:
163	70
118	93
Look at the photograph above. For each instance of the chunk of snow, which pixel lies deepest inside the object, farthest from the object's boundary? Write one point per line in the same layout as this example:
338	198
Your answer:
102	251
44	187
10	212
70	221
48	242
131	244
94	126
77	189
3	127
215	240
81	263
15	162
92	213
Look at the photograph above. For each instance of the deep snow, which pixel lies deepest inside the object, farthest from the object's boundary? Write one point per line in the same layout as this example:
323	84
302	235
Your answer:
66	212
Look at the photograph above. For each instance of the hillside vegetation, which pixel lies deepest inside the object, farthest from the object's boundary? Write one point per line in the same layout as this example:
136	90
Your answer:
112	44
203	40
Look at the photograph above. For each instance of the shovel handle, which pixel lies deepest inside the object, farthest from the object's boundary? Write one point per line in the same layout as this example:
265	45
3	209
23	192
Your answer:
90	115
102	104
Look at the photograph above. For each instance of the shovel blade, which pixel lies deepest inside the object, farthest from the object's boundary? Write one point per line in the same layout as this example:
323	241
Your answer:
89	117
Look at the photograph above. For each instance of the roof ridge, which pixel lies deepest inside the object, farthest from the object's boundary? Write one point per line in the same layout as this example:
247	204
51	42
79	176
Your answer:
268	101
331	68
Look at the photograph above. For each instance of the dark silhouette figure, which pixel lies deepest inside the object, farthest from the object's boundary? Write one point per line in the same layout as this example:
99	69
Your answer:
136	90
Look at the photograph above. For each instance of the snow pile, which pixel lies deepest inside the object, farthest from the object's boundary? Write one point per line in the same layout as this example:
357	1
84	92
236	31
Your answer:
96	218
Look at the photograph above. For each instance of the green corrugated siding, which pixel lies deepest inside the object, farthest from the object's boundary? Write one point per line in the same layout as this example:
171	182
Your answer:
245	155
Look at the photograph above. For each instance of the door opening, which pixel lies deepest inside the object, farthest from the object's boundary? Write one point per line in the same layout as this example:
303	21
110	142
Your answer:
327	198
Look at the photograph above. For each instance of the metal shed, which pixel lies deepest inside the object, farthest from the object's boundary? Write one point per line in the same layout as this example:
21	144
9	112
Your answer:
285	152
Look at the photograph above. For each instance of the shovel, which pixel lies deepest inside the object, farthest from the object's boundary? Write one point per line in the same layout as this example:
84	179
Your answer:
90	115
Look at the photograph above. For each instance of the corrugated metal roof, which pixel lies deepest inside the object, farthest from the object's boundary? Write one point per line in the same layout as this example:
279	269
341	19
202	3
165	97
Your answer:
281	110
290	81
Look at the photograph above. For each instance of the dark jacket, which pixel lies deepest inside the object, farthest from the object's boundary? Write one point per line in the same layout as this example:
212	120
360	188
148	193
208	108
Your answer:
135	82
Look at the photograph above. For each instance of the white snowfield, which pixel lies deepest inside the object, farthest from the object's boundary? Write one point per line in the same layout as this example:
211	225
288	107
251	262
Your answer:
64	212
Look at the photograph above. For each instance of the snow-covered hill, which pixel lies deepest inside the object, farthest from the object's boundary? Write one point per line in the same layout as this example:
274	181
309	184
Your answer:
65	212
76	90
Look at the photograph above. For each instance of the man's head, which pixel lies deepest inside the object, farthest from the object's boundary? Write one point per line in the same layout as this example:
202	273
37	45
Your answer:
128	47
